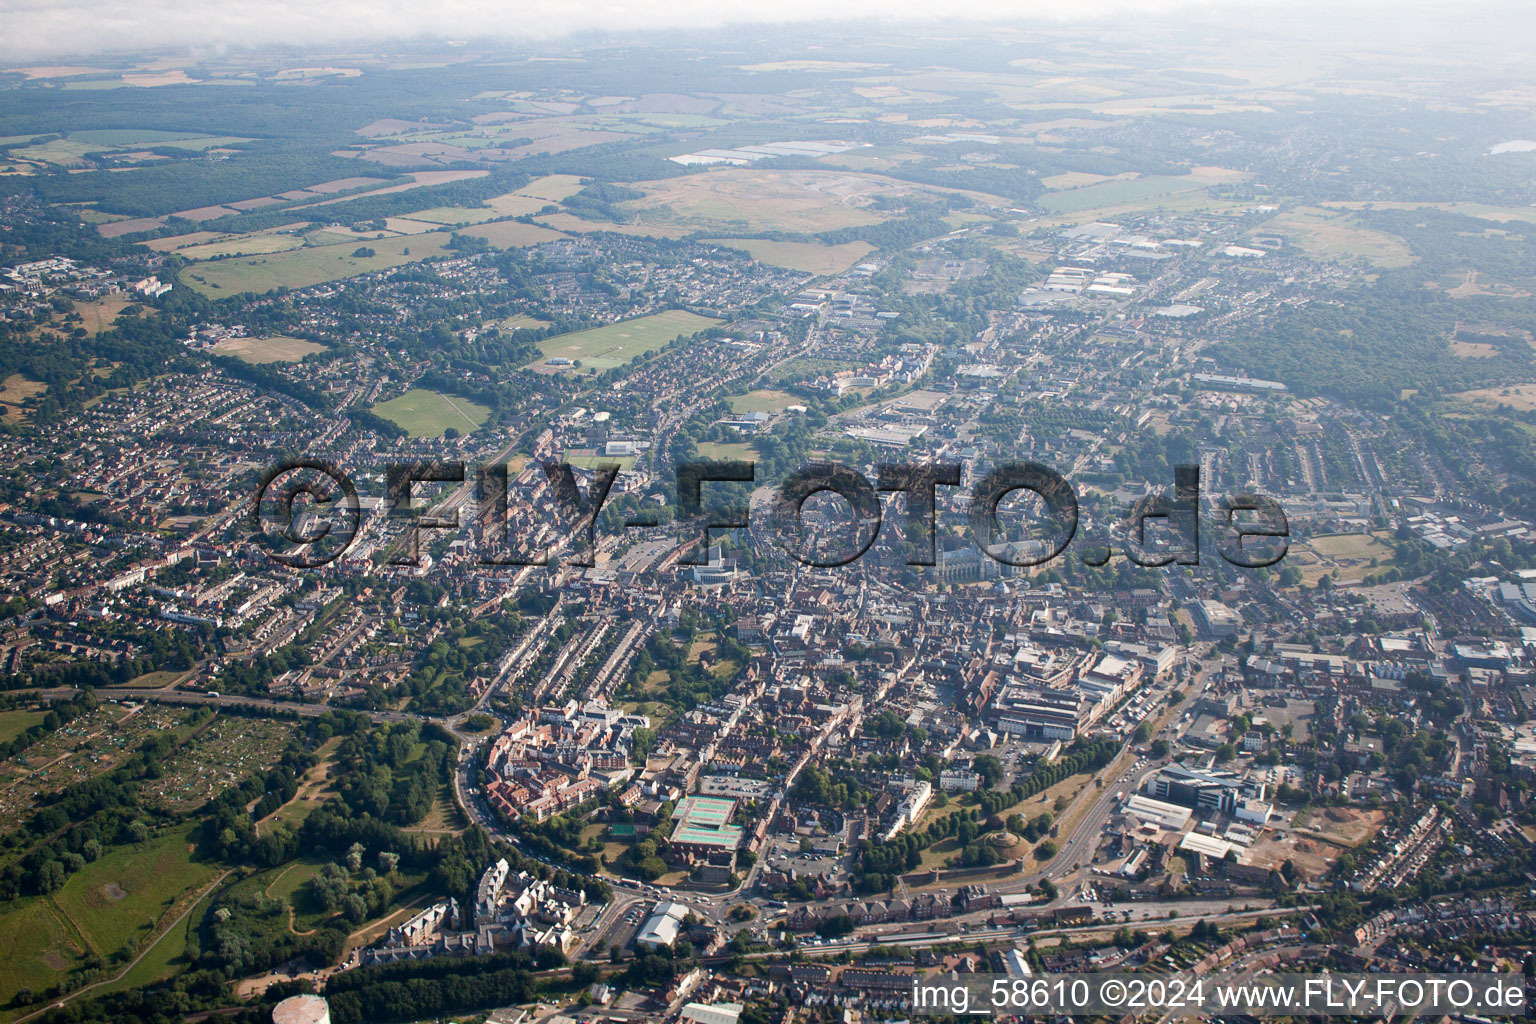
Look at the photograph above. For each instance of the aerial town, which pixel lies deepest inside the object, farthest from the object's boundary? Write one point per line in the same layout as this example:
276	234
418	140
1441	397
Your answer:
486	547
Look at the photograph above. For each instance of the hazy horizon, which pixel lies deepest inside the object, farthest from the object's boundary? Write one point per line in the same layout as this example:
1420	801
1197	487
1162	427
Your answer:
41	30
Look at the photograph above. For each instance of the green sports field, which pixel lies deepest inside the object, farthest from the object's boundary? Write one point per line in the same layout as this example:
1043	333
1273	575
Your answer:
278	348
603	348
423	413
763	400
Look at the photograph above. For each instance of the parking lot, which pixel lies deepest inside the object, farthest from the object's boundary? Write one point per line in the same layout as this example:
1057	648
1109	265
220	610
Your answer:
784	854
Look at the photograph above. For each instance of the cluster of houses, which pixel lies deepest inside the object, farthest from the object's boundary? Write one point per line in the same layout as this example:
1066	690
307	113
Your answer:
563	756
511	911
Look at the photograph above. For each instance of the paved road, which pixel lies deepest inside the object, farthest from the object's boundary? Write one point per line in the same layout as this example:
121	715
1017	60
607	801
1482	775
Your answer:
228	700
1079	846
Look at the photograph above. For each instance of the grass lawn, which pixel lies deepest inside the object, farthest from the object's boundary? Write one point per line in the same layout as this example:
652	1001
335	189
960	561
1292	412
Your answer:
40	947
805	368
1109	193
1517	396
286	884
519	322
575	225
553	187
117	900
1329	234
933	814
940	852
99	314
659	713
718	450
97	217
1480	210
313	791
279	348
748	200
168	957
508	234
514	205
423	413
153	680
301	268
243	245
170	243
456	215
1348	554
14	723
807	257
132	136
444	816
603	348
763	400
14	390
1356	546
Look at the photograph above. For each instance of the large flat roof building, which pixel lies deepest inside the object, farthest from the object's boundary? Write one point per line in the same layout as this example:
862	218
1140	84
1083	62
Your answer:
1203	788
704	825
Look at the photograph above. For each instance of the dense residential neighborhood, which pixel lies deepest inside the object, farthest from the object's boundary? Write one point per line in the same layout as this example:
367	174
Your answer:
732	552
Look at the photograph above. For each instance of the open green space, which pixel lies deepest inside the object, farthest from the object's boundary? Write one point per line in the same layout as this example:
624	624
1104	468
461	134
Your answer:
603	348
301	268
805	368
243	245
153	680
133	136
116	900
746	200
763	400
423	413
292	879
806	257
456	215
552	187
519	322
717	450
1329	234
1110	193
41	947
278	348
14	723
168	957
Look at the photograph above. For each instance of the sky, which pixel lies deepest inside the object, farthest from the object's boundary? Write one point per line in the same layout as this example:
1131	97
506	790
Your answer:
43	29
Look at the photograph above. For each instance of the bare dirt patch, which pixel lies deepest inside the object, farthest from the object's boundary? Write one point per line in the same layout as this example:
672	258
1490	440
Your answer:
1312	857
1346	826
